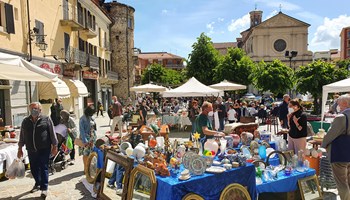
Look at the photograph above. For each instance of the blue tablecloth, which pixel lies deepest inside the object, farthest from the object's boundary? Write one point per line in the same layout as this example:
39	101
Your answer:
284	183
209	186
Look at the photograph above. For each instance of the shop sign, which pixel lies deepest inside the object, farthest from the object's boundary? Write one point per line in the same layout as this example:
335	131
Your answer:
69	72
90	75
54	68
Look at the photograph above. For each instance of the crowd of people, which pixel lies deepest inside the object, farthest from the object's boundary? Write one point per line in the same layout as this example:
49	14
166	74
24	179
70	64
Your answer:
208	117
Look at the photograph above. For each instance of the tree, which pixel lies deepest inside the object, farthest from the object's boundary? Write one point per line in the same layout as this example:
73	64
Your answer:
156	73
345	64
313	77
153	73
275	76
235	66
202	60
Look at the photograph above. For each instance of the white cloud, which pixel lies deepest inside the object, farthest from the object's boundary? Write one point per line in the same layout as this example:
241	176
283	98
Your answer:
239	24
327	34
220	19
165	12
210	27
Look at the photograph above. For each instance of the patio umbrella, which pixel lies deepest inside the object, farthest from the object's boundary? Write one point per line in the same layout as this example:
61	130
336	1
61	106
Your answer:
15	68
228	86
148	88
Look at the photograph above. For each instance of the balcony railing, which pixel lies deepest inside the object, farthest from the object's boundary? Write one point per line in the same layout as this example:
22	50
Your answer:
112	75
93	62
71	17
76	56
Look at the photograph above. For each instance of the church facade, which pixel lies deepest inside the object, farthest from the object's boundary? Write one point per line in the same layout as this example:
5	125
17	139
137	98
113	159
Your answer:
279	37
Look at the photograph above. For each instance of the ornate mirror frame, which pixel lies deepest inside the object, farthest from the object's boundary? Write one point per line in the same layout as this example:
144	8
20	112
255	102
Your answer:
301	189
90	178
146	172
126	162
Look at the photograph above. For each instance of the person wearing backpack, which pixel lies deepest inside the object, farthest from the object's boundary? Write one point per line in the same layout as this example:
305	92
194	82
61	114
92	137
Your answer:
336	142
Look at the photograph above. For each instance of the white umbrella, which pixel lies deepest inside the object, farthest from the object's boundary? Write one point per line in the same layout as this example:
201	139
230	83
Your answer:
148	88
15	68
227	86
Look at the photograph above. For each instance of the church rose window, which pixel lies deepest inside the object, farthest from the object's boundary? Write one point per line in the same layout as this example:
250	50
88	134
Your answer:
280	45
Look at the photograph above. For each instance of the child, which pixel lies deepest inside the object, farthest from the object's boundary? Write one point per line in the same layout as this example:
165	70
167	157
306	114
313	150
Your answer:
231	115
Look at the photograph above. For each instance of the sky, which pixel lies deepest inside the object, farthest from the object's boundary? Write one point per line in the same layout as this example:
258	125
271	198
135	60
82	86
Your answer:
174	25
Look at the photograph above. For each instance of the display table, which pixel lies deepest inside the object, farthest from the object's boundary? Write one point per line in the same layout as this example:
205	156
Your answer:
8	153
284	183
208	185
180	120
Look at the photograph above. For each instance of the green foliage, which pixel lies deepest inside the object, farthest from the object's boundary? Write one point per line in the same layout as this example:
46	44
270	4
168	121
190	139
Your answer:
275	76
313	77
235	66
344	64
156	73
202	60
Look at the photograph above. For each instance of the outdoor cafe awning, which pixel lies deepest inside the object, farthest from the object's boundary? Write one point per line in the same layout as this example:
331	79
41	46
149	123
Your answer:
15	68
77	88
52	90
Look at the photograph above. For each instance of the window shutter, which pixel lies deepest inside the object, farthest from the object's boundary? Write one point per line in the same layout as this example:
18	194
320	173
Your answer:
10	24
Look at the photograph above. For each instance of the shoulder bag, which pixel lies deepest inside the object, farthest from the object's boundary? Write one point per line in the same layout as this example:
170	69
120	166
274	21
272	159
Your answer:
340	146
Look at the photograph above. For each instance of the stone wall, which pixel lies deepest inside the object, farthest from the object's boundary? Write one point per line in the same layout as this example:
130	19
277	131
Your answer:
122	44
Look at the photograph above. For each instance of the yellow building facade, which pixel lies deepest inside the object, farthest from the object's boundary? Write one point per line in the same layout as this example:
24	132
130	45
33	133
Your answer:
67	37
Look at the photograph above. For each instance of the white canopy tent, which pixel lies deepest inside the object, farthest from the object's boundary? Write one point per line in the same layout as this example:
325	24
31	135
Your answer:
228	86
193	88
15	68
148	88
339	86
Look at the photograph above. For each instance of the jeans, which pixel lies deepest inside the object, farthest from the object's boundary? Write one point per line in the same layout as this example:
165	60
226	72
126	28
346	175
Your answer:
117	176
39	164
222	124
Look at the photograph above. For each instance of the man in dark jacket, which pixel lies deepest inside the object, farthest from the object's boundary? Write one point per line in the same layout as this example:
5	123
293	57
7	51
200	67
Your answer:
38	135
283	112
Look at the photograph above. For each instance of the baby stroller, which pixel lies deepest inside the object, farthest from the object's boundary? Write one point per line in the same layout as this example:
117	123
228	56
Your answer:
59	161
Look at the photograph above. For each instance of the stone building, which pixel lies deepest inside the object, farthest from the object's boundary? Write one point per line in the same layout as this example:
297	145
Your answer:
276	38
122	45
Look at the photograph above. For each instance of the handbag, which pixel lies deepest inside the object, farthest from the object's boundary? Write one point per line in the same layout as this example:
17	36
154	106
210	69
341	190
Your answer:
340	146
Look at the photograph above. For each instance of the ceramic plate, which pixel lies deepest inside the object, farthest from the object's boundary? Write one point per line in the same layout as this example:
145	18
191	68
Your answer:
216	163
186	159
215	169
181	178
198	165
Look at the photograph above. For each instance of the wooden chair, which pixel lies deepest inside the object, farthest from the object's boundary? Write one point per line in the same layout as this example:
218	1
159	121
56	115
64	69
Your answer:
235	191
192	196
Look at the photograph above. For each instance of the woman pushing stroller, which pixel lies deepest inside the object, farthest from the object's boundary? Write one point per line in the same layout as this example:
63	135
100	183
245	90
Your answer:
68	121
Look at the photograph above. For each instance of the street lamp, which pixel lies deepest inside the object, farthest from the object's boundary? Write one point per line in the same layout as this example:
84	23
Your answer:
290	56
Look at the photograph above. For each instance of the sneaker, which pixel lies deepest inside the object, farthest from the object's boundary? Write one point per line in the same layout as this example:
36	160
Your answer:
110	186
43	194
119	191
71	162
35	189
